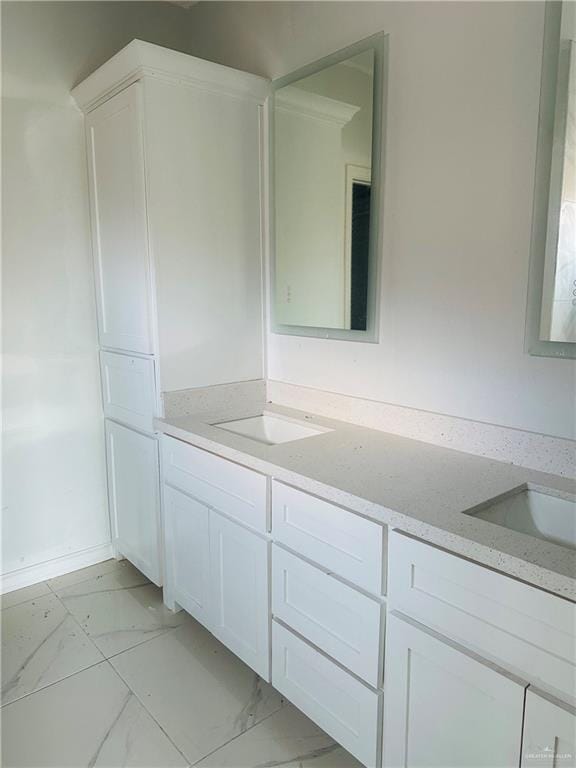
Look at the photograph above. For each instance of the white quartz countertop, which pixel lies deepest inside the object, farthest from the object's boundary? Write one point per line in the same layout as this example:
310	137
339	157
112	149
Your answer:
416	487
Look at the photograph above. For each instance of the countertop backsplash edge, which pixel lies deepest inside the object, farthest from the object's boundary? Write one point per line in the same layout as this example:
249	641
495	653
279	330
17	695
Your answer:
543	453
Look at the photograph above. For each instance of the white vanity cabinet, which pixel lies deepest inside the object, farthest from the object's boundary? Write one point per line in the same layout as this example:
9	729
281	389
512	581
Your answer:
456	666
469	654
174	147
217	549
307	596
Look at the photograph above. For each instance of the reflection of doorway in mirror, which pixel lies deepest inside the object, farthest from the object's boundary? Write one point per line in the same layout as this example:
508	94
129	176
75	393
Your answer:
356	246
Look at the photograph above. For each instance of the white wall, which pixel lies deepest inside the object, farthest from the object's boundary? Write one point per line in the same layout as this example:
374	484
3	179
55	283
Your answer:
464	83
53	455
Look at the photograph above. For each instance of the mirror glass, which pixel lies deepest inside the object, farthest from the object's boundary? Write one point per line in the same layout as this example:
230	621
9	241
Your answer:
558	317
323	189
551	306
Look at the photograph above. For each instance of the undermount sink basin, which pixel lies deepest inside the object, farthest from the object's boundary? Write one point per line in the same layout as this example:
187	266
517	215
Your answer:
272	429
535	512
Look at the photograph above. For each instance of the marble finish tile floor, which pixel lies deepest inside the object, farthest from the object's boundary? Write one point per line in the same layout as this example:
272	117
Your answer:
97	673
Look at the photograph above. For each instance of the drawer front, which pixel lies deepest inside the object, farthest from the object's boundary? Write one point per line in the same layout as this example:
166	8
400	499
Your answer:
128	389
338	540
222	485
341	705
342	622
515	625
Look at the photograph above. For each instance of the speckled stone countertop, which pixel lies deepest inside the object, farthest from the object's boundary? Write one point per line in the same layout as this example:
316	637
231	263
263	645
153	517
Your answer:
410	485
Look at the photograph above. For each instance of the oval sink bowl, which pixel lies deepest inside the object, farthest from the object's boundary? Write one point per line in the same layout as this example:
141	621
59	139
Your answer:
272	429
535	512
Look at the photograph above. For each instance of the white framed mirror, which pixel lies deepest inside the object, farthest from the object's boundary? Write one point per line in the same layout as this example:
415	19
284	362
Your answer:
326	134
551	311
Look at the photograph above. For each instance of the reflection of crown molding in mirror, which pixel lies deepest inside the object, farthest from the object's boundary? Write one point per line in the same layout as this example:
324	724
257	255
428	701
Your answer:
377	43
314	106
551	54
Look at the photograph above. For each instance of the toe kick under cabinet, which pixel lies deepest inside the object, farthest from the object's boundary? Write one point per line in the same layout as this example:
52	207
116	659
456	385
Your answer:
161	126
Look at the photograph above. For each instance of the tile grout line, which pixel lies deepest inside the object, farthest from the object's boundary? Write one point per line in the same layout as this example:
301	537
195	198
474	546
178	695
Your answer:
196	762
143	705
107	659
51	590
228	741
72	674
137	645
89	578
56	682
79	671
243	733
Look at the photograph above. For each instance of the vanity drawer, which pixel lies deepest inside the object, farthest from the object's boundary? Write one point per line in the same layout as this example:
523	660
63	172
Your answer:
338	540
227	487
512	623
341	621
128	389
345	708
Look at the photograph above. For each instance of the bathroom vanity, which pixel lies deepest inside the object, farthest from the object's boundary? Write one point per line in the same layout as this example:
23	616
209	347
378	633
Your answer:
423	637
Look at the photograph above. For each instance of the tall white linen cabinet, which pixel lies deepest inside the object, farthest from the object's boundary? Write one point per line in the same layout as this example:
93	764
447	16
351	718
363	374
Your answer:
175	155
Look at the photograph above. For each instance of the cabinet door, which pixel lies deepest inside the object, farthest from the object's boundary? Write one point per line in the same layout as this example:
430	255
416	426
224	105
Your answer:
119	225
134	497
549	733
239	565
187	547
445	707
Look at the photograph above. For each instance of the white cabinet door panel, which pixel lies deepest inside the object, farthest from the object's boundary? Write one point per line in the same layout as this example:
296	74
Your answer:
336	539
240	582
341	621
549	733
340	704
134	497
187	542
119	224
128	389
444	707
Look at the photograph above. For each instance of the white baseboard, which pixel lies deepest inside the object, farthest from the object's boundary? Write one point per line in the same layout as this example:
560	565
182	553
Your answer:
33	574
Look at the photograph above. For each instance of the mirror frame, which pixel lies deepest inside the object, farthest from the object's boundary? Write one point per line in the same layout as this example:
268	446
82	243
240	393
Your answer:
551	53
379	44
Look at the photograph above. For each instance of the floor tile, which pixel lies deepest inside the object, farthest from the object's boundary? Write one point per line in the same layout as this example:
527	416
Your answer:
119	609
89	719
92	572
200	693
41	643
288	739
22	595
